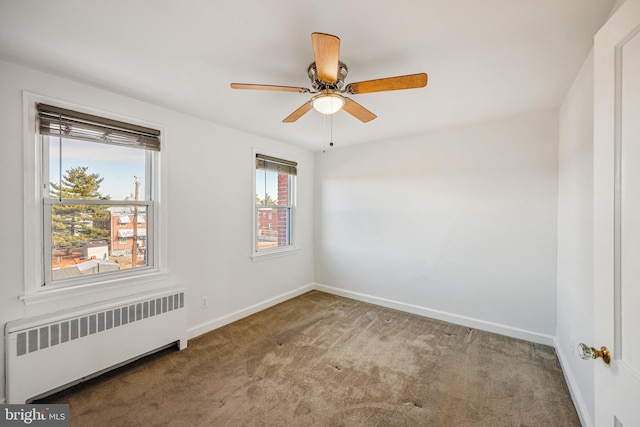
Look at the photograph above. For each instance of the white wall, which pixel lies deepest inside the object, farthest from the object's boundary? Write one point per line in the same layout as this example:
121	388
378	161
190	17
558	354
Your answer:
575	238
458	224
209	170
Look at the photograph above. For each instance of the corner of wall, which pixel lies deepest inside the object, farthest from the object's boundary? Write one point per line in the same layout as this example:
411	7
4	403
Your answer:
575	237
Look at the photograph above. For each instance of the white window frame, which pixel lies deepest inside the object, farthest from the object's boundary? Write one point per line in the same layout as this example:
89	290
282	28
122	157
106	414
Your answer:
35	225
292	247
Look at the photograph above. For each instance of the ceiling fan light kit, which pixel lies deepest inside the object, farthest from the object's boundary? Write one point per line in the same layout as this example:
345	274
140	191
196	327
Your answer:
327	74
328	103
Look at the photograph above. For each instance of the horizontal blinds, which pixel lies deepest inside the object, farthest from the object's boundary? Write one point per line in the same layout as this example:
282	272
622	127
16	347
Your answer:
58	121
275	164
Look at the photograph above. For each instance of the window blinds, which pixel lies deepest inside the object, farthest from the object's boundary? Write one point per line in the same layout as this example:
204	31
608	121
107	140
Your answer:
58	121
277	165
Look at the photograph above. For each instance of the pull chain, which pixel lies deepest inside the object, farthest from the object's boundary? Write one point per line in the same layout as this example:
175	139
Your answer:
324	120
331	126
324	126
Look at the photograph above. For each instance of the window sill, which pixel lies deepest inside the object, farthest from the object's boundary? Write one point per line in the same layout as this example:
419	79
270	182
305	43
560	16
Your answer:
274	253
127	285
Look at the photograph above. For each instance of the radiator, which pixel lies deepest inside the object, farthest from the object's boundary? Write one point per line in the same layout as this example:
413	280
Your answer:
47	353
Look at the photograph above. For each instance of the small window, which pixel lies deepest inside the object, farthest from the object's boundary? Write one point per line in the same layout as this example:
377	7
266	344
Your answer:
275	195
98	193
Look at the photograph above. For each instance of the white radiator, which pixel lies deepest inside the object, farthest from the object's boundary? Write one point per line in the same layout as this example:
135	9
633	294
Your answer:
47	353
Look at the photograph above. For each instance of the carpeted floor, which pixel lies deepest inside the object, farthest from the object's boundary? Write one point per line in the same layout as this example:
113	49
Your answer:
323	360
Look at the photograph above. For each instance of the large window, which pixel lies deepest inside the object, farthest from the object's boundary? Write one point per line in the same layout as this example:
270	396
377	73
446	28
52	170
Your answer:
98	196
274	229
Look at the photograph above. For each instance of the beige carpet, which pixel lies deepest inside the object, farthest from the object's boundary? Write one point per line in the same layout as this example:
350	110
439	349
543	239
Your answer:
322	360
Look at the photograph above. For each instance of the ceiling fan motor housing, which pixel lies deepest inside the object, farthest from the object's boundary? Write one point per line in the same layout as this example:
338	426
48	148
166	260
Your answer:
320	85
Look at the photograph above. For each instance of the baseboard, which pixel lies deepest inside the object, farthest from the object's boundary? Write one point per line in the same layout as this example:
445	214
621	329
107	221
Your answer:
441	315
574	390
397	305
237	315
2	400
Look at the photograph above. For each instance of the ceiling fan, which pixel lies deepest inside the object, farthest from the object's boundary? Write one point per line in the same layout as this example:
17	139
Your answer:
327	76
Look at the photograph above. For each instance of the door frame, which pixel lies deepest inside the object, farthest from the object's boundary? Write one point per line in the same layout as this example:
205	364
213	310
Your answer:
621	27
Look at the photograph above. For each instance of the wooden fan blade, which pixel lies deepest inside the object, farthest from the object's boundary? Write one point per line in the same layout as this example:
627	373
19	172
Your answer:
410	81
269	87
358	111
326	50
304	109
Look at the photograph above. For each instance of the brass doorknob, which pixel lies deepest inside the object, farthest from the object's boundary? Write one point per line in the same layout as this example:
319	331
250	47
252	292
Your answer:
587	352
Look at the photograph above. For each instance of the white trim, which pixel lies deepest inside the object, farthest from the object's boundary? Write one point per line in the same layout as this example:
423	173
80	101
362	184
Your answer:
483	325
137	284
274	253
203	328
574	390
293	226
33	215
33	256
396	305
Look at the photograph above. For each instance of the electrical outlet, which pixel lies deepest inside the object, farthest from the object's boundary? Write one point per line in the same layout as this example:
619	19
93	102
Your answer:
203	303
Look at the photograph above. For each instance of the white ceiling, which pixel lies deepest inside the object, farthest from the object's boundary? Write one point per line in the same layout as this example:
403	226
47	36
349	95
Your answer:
484	58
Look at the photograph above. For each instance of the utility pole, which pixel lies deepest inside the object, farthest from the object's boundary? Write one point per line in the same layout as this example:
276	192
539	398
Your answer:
134	243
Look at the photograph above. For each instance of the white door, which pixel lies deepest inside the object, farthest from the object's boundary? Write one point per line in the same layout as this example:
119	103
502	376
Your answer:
617	217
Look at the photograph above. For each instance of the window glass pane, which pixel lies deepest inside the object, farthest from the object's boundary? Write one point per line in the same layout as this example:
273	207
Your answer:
112	171
273	227
267	187
96	239
274	206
